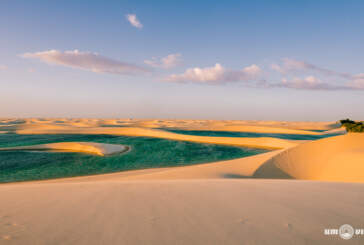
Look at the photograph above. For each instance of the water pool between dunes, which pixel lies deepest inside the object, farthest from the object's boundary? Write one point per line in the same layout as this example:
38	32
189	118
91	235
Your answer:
145	153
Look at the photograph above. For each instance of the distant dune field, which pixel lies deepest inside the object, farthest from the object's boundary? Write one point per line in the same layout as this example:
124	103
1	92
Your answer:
149	128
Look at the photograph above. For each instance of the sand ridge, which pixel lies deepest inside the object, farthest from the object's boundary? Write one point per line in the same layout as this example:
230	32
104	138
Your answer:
339	158
282	127
100	149
259	142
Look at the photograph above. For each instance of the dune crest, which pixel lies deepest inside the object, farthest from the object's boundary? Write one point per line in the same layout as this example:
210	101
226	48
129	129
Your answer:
100	149
339	158
281	127
260	142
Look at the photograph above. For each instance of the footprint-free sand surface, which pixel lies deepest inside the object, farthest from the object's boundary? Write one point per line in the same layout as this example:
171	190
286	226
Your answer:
179	212
286	196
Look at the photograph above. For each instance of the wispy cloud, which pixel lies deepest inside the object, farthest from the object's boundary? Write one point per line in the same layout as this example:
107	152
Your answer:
133	20
292	65
3	67
294	75
167	62
308	83
335	80
86	61
215	75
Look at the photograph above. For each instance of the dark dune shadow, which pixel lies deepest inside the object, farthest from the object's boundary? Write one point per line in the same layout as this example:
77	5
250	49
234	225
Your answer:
270	171
235	176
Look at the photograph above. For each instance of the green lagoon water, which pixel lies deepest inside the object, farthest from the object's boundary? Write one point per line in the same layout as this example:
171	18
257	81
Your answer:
248	134
145	153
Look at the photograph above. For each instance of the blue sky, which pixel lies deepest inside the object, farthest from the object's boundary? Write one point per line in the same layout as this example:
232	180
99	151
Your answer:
270	60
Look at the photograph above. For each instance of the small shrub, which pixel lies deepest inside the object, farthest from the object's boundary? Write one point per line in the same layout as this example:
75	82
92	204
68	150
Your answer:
352	126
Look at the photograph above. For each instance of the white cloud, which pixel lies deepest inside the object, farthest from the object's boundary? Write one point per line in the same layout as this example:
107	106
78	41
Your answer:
252	70
3	67
278	68
202	75
167	62
309	82
311	77
253	76
133	20
215	75
86	61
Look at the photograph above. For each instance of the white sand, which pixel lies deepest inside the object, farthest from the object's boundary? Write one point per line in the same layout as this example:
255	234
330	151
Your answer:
100	149
217	203
339	158
179	212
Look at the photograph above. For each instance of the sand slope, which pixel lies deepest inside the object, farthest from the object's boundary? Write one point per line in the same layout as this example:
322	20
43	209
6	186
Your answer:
339	158
100	149
179	212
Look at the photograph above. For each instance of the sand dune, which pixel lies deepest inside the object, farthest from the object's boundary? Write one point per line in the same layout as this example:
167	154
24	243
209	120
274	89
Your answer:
254	129
303	128
227	202
295	125
261	142
100	149
339	158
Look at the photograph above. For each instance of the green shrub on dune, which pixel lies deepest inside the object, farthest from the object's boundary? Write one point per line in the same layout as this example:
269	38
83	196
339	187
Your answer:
352	126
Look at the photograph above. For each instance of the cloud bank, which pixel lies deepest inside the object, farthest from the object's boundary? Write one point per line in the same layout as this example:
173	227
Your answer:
307	83
167	62
291	74
3	67
334	80
86	61
215	75
294	74
133	20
